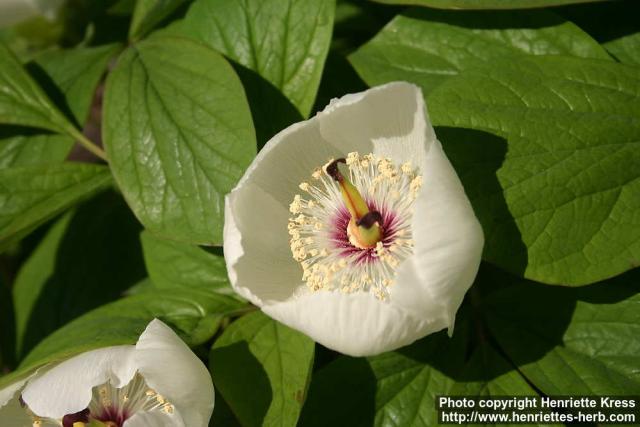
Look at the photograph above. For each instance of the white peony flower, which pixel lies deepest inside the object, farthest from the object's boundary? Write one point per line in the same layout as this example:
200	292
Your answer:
158	382
15	11
353	227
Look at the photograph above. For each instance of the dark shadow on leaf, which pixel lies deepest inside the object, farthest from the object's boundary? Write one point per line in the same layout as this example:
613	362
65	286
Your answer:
233	365
270	109
222	414
51	89
488	19
11	131
96	260
529	319
341	394
605	21
7	328
477	156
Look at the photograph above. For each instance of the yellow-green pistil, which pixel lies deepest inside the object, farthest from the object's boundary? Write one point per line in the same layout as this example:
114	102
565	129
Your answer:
364	228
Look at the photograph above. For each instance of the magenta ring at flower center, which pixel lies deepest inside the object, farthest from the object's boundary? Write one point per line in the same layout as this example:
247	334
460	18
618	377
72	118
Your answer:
340	238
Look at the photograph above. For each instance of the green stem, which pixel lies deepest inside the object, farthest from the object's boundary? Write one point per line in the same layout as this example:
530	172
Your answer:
86	143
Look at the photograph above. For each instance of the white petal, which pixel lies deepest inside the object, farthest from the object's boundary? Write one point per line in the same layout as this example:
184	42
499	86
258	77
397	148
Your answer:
11	411
388	120
49	8
14	415
8	393
171	369
256	242
356	324
256	247
66	388
153	419
288	159
448	243
15	11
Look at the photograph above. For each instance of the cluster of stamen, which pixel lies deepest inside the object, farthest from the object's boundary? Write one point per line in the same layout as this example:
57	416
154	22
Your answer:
322	227
111	406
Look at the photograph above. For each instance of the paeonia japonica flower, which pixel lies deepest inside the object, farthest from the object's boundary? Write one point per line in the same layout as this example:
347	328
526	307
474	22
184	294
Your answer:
353	226
16	11
158	382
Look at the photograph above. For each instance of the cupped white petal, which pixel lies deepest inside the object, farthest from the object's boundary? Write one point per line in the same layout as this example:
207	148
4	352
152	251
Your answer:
11	411
13	414
153	419
15	11
67	387
172	370
256	246
448	243
48	8
9	392
357	324
389	121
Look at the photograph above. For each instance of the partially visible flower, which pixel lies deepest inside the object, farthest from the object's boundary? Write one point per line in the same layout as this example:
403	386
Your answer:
15	11
353	227
158	382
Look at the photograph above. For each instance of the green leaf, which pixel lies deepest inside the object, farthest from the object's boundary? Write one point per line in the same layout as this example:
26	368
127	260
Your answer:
87	258
149	13
178	132
22	101
284	42
31	195
174	264
557	190
626	49
73	75
259	357
571	341
487	4
194	314
428	47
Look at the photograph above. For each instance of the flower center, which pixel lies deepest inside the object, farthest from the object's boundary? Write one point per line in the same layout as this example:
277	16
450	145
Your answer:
111	407
351	231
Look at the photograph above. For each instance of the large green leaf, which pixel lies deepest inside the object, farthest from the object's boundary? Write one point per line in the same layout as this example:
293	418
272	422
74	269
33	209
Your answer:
73	76
22	101
149	13
86	259
261	358
626	49
558	190
284	42
194	314
487	4
428	47
178	132
174	264
31	195
571	341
